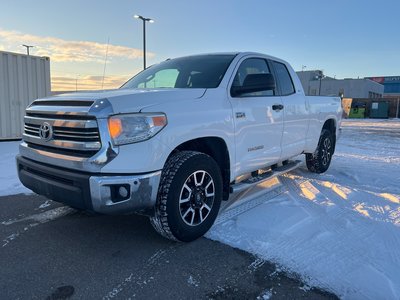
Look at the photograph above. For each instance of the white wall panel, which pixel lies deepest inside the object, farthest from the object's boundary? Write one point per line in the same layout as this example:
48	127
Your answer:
22	79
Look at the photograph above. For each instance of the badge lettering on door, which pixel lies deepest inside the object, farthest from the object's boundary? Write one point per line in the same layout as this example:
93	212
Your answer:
240	115
255	148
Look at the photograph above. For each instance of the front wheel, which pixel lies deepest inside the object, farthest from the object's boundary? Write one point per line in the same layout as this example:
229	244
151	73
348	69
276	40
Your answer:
319	161
189	196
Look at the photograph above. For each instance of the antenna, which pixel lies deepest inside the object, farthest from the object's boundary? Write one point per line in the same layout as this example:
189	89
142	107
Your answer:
105	64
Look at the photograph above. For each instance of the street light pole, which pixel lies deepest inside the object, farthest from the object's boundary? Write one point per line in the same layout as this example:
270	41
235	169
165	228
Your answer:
144	35
320	82
320	77
27	48
144	44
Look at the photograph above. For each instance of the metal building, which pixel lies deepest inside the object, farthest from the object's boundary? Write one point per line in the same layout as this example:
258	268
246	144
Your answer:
22	79
316	83
391	84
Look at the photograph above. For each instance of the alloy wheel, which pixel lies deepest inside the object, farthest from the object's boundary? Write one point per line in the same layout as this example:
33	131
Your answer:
196	198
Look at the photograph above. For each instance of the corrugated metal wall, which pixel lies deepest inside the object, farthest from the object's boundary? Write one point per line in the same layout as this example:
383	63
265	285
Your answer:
22	79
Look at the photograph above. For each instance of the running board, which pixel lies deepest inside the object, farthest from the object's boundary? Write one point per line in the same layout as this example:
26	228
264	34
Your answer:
252	181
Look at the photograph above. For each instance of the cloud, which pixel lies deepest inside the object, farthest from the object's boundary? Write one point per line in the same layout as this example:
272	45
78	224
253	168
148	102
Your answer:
70	83
60	50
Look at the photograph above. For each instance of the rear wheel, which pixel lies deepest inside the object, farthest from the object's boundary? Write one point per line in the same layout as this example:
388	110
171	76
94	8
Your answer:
189	196
319	161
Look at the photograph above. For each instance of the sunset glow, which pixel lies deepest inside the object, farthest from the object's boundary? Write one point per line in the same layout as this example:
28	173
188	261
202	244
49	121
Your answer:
82	57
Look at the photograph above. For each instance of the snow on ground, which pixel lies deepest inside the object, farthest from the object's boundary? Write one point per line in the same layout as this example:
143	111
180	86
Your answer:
9	183
339	230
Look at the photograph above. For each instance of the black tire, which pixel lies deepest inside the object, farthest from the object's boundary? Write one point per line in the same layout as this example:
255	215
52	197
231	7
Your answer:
185	209
319	161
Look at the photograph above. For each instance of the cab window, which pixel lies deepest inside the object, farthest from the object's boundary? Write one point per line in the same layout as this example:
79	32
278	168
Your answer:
252	66
162	79
283	78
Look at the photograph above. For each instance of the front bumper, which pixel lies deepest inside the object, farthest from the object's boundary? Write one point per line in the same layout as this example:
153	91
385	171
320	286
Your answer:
91	192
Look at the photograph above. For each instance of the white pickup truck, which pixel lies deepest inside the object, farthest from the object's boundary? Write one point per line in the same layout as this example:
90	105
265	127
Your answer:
176	139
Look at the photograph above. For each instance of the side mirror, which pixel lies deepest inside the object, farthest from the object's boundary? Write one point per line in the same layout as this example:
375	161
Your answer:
254	83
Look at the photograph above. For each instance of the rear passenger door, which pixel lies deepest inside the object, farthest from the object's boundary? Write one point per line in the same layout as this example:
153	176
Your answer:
295	114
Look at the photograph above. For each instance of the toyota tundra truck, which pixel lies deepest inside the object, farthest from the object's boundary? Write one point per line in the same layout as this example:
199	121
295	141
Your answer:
176	139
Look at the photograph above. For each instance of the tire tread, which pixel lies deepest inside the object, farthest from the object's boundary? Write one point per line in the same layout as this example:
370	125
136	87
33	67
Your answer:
159	221
313	160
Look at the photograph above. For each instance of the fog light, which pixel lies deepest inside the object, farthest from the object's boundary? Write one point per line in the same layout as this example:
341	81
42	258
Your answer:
120	192
123	192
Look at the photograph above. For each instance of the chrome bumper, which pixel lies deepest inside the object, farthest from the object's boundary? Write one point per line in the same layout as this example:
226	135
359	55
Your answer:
91	192
141	198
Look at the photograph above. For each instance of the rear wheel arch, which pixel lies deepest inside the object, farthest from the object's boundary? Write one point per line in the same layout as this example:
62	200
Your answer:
330	125
319	161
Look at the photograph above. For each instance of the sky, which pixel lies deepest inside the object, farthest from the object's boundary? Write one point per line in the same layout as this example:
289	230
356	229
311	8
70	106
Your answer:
344	38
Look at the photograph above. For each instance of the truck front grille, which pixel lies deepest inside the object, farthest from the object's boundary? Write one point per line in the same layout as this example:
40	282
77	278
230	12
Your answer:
60	132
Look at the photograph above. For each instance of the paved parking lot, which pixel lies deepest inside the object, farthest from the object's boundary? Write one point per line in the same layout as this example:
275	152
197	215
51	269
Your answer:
53	252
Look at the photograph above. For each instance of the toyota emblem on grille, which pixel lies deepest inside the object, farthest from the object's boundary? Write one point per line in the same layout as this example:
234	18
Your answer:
45	131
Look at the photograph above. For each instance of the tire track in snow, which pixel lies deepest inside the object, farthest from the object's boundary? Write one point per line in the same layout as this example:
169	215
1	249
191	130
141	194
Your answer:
361	229
347	198
247	204
301	259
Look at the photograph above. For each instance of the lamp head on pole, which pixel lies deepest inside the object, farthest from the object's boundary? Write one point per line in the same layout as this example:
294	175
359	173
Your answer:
143	18
144	35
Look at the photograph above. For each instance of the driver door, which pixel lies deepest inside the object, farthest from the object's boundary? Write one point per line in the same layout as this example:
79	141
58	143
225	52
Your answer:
258	119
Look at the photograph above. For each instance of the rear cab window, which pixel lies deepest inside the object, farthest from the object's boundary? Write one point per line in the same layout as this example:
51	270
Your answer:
283	78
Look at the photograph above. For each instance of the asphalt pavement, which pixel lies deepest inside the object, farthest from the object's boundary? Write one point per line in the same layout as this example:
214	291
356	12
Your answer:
49	251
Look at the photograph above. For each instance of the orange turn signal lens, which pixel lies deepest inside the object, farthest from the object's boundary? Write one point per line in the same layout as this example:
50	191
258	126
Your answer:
159	121
115	127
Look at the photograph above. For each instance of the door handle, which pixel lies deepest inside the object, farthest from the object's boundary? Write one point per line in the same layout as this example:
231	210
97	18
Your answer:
277	107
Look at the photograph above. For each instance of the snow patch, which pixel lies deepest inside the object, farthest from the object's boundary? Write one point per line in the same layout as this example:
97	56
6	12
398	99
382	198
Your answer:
45	204
10	184
266	295
193	282
44	217
37	219
339	231
10	238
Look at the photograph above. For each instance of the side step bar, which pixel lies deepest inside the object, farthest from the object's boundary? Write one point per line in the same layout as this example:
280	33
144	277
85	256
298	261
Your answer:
274	172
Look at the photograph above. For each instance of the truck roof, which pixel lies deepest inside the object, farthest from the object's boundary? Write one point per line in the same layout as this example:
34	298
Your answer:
241	53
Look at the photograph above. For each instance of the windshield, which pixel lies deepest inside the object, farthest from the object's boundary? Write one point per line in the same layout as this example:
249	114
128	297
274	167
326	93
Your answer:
202	71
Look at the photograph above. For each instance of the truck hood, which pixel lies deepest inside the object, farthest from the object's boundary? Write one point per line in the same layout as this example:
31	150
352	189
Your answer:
134	100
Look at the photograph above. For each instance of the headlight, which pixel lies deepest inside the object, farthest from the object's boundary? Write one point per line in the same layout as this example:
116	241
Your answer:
133	128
